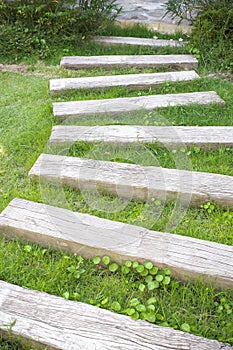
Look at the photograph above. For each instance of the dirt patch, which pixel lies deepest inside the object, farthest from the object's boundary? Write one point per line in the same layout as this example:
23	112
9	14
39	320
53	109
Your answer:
222	76
23	69
14	68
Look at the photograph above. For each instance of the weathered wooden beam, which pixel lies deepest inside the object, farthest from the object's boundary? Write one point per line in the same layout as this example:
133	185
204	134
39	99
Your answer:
117	106
130	81
139	61
209	137
119	40
57	323
134	181
188	258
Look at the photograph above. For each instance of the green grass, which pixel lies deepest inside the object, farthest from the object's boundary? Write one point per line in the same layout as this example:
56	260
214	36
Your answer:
206	311
151	154
139	31
25	125
11	343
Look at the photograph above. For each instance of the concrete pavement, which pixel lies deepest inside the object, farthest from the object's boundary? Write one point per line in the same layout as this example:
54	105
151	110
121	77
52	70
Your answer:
150	12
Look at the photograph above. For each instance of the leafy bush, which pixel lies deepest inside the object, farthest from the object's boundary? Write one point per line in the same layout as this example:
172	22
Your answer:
33	25
189	10
216	23
213	27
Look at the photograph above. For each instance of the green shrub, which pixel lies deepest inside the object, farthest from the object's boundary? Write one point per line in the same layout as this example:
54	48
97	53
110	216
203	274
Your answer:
55	16
212	36
19	42
215	24
32	26
189	10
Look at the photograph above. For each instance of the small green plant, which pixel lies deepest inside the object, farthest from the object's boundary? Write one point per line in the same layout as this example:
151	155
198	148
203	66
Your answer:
208	207
194	51
8	341
76	270
105	260
146	278
185	327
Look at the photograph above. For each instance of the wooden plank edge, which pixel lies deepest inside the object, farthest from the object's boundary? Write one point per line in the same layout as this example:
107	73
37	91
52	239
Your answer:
163	135
130	81
122	105
68	62
57	323
188	258
189	188
118	40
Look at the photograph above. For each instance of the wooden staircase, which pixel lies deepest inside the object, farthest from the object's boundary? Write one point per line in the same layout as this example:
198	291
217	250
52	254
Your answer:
62	324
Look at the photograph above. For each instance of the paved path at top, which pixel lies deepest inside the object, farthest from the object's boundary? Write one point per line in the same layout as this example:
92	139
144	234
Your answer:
143	11
149	12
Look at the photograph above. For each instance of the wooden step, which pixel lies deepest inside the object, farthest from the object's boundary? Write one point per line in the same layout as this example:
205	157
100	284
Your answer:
134	181
132	61
65	325
117	106
119	40
130	81
188	258
208	137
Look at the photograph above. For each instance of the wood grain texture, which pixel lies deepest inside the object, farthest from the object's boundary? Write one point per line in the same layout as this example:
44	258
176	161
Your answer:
134	181
90	236
130	81
68	325
117	106
119	40
139	61
208	137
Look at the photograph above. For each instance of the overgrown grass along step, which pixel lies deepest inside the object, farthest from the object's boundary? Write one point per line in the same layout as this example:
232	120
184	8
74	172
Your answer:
117	106
119	40
134	181
58	323
90	236
131	81
206	137
129	61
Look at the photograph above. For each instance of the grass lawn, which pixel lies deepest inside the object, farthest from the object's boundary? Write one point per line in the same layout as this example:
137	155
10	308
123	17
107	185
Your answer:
26	120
